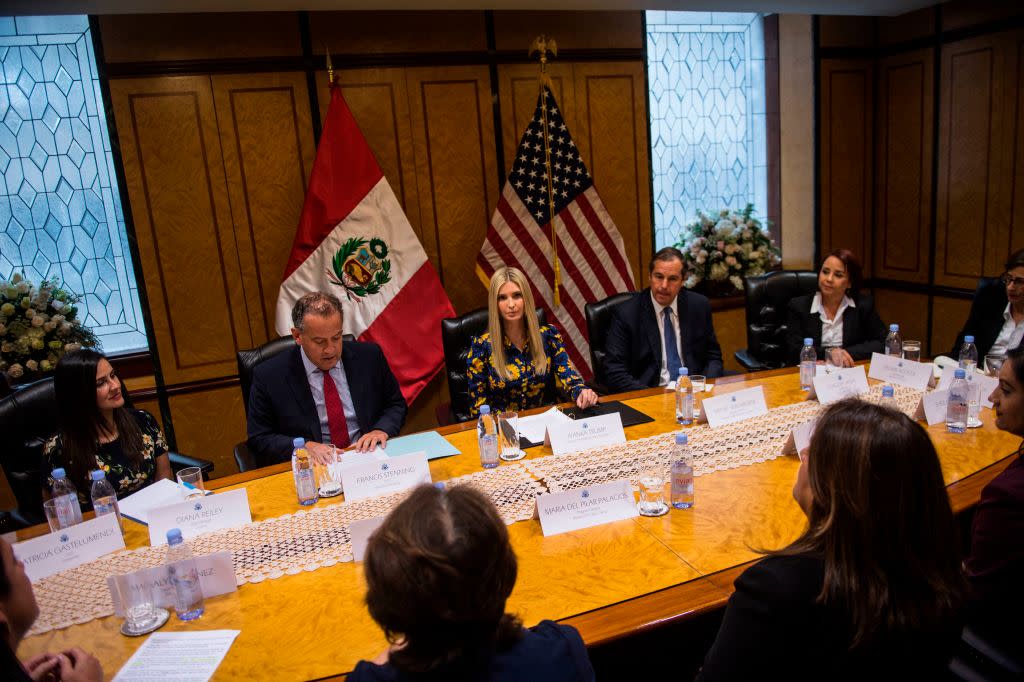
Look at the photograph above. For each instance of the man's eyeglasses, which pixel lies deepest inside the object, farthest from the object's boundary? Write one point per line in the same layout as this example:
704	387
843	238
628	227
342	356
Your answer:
1011	281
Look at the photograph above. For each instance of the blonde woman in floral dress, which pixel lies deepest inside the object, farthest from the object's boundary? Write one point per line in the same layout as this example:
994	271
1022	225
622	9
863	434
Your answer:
99	432
512	374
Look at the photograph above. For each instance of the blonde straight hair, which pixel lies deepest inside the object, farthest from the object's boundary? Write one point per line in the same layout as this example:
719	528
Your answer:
496	327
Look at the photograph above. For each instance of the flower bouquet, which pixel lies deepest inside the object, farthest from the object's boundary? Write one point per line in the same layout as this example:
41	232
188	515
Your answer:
37	326
721	250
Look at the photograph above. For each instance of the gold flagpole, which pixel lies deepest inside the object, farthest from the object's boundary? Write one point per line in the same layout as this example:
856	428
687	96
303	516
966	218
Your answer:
543	45
330	67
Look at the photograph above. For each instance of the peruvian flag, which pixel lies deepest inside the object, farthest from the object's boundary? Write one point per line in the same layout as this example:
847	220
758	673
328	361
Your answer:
354	241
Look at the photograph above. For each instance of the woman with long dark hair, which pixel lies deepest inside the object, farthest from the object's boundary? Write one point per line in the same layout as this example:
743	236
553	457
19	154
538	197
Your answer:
438	573
874	585
839	317
97	431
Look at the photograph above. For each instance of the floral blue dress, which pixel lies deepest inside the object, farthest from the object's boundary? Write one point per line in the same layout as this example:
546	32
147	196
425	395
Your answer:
524	389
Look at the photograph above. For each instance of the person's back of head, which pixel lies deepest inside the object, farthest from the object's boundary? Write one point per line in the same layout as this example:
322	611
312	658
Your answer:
880	517
439	571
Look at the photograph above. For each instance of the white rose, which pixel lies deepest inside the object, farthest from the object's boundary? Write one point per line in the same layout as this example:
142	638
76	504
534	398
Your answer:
737	281
730	260
57	305
48	327
32	365
38	321
15	371
691	281
702	258
58	318
22	287
68	347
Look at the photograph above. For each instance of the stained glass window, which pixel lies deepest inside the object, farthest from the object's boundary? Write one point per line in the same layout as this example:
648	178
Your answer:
60	211
707	107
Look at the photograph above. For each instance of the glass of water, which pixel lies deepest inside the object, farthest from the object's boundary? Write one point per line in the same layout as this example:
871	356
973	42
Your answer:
652	494
328	476
508	437
912	350
141	614
973	403
191	481
993	363
699	384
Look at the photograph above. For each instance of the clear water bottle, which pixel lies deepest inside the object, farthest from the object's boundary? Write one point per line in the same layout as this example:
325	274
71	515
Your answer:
487	437
969	356
956	407
104	498
65	495
684	397
894	341
302	470
682	472
184	576
808	361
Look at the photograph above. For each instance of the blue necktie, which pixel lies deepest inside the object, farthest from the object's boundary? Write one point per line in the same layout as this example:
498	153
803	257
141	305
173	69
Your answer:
671	349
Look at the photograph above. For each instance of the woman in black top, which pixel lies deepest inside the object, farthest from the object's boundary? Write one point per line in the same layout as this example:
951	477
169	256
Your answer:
873	587
98	432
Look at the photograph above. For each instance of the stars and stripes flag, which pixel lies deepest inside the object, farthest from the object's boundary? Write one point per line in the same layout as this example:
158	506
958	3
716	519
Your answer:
590	249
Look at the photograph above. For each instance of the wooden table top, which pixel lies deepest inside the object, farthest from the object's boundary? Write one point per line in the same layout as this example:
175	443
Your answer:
607	581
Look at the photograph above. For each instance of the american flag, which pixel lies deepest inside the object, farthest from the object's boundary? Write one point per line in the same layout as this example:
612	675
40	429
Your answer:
590	249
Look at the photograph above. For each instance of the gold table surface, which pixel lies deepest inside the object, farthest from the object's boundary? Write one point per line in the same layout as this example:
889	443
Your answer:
608	581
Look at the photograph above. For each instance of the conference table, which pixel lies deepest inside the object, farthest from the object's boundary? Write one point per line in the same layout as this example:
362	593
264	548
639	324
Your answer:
608	581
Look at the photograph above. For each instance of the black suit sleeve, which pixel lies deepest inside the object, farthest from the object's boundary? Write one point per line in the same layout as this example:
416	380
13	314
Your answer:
393	408
264	440
873	331
616	363
713	356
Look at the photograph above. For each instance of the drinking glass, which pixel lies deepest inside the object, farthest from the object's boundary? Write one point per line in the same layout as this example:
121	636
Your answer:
50	509
699	384
652	494
912	350
328	476
191	480
141	614
993	363
973	403
508	437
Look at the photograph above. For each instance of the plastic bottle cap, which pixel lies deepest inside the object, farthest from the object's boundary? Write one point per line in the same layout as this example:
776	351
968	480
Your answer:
887	391
174	536
959	373
684	372
298	442
98	474
485	409
808	341
968	339
59	473
682	439
894	327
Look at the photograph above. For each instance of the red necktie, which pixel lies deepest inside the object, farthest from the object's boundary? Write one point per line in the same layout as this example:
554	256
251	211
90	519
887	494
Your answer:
335	413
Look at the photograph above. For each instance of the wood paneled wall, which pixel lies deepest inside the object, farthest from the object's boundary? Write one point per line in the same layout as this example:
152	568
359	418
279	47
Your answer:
920	155
217	140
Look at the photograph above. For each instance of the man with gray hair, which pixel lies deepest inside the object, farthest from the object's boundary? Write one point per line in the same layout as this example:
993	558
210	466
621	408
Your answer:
306	392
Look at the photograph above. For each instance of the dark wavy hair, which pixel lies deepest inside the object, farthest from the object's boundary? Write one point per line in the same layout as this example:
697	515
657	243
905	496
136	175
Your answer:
439	571
81	422
880	517
853	269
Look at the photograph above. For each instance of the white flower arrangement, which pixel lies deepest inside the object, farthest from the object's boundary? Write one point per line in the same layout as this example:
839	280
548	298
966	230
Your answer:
37	326
725	248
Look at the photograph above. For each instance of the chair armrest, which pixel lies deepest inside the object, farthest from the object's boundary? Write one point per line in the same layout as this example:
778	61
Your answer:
180	461
744	357
244	459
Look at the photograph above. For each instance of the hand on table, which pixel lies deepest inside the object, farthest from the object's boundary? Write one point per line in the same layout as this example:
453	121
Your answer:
321	453
78	666
43	667
840	358
368	441
586	398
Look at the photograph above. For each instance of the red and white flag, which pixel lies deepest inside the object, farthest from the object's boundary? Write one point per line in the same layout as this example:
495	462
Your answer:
590	249
355	241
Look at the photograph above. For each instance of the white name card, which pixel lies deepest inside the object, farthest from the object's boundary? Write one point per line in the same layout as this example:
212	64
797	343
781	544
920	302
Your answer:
360	532
216	577
839	384
734	407
985	384
200	515
69	547
932	407
587	507
574	435
894	370
370	479
799	438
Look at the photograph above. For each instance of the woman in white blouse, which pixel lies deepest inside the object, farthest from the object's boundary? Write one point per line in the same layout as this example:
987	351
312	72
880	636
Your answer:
839	318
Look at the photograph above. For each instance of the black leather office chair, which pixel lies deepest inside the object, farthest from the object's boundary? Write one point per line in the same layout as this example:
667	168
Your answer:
28	418
456	335
599	318
767	298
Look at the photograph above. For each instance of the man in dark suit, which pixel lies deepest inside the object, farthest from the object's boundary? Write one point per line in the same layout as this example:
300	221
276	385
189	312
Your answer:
305	392
661	329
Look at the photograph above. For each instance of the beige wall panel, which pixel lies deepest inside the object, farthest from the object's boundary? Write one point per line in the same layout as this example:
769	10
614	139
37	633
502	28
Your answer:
903	180
908	310
169	37
612	138
518	90
1017	162
731	331
971	222
846	158
796	121
387	32
948	317
208	424
846	31
453	142
175	180
571	30
267	140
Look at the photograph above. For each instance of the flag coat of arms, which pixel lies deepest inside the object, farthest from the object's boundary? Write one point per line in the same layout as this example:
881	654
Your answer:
355	241
590	249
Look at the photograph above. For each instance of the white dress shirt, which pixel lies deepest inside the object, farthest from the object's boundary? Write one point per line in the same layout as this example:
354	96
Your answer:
315	376
660	317
831	330
1009	336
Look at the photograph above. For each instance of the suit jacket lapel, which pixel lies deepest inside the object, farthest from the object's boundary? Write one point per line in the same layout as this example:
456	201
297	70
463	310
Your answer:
298	382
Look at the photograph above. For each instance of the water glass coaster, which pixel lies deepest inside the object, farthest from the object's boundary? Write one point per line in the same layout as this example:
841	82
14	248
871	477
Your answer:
330	489
512	454
130	630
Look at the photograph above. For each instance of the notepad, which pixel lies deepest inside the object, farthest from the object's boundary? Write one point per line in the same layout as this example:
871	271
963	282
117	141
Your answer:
160	493
430	442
